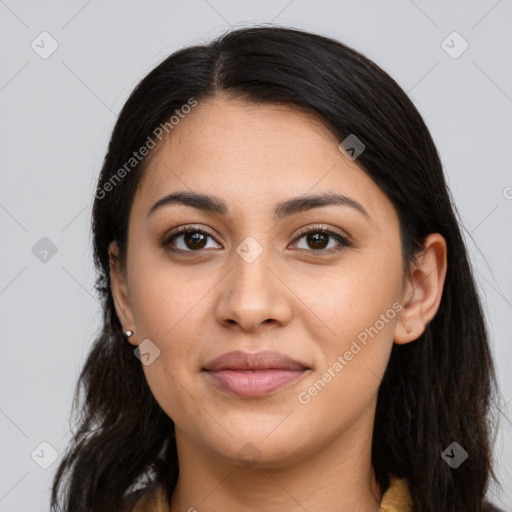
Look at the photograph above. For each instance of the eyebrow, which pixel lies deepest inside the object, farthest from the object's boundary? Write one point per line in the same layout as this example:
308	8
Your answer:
283	209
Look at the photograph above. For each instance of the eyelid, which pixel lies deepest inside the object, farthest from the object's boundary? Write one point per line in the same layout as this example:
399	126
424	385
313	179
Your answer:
184	229
322	228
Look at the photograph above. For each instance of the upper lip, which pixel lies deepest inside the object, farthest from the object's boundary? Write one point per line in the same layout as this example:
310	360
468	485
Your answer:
263	360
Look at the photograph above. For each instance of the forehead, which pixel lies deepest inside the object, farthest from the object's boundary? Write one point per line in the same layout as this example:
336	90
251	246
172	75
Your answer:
253	154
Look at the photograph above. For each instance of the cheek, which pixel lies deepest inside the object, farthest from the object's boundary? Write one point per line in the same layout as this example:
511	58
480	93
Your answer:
166	309
164	296
356	308
175	394
349	298
354	362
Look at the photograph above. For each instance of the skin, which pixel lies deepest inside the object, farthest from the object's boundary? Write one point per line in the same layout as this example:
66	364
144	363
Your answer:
195	306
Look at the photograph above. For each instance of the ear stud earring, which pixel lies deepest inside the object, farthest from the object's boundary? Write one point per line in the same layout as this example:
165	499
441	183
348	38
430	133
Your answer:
128	333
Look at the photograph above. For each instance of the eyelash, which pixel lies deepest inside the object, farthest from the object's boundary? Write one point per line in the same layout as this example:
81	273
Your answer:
343	240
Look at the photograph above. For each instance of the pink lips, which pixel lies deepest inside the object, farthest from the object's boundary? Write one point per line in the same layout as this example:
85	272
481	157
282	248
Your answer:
253	374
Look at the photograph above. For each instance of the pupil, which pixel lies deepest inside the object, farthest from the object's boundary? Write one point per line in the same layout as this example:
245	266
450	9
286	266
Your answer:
196	237
313	239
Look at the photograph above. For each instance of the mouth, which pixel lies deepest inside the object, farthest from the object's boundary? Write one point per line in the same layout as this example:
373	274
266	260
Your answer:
252	375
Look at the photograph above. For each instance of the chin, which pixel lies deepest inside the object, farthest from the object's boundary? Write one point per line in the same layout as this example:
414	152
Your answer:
256	451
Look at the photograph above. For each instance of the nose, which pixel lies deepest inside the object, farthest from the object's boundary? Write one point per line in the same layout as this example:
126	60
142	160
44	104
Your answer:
252	293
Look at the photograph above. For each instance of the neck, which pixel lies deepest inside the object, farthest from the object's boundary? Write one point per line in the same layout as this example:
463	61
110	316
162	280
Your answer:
339	477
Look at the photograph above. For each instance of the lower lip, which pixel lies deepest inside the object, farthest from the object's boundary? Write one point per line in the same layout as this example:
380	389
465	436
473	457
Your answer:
253	383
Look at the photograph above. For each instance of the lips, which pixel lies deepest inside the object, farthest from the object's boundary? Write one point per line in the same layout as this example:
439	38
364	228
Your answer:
264	360
252	375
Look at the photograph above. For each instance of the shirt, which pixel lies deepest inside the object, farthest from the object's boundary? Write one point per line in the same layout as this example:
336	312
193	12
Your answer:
397	498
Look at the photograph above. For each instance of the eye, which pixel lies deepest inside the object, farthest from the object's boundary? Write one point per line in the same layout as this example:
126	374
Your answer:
318	238
194	239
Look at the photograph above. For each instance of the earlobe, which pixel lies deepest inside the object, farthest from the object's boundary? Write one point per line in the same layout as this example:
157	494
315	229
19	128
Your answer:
423	290
119	289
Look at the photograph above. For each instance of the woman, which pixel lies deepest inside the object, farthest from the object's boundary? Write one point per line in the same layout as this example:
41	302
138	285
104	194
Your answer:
290	317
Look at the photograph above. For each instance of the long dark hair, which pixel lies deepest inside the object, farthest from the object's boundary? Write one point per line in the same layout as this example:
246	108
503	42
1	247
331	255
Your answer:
436	390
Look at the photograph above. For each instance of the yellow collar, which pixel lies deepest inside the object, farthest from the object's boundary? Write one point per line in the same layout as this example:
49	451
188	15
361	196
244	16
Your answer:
397	497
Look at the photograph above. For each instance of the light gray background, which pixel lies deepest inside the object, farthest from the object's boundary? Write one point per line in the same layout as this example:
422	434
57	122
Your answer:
57	115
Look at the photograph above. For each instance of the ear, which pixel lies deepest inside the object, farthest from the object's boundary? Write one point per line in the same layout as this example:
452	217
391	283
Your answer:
119	289
423	289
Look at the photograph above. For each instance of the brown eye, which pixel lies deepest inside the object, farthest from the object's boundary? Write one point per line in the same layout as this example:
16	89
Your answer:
317	241
193	239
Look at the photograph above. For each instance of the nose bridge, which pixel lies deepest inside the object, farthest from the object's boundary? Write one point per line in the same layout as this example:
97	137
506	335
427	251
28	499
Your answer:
251	272
252	293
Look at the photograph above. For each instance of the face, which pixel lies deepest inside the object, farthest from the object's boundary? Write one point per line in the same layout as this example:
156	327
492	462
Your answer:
321	285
